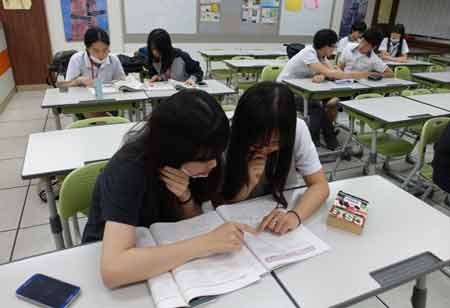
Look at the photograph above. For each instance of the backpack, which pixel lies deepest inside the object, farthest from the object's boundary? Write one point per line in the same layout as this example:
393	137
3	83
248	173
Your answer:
59	66
131	64
293	49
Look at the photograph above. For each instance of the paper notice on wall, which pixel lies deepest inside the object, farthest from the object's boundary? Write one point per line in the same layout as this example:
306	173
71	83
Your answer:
17	4
311	4
260	11
210	11
293	5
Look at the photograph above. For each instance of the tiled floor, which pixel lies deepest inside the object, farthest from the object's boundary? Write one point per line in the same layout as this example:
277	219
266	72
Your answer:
24	229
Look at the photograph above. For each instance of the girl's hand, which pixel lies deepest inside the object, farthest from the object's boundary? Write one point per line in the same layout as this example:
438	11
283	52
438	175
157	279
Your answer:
279	222
177	182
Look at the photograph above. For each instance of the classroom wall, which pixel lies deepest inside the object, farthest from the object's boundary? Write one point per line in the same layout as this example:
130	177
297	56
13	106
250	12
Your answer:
7	85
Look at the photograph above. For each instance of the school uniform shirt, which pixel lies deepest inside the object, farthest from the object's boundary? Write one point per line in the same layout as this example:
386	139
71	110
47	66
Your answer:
297	66
393	48
441	161
81	65
305	160
353	60
343	43
183	68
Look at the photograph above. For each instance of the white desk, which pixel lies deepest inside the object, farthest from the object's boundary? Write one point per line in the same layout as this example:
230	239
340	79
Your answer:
388	83
438	100
399	226
48	155
80	266
253	64
442	78
392	111
410	63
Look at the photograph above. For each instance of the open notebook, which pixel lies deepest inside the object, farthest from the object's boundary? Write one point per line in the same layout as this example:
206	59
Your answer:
223	273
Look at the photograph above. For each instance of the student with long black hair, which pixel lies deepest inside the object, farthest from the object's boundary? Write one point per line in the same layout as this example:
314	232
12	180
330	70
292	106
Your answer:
95	62
269	145
162	174
166	62
395	47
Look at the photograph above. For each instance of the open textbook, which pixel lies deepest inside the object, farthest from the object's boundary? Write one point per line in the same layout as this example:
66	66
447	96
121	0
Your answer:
223	273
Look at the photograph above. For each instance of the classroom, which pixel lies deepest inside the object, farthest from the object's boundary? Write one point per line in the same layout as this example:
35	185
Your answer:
225	153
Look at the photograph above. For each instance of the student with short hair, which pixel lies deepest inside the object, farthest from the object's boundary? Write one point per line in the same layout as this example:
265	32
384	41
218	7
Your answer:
362	57
95	62
166	62
395	48
162	174
358	29
269	147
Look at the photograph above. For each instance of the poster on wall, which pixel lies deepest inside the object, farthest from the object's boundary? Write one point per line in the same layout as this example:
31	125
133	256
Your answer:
354	10
260	11
17	4
210	10
79	15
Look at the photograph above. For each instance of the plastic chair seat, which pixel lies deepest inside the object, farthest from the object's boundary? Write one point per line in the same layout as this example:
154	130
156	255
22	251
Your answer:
387	145
427	172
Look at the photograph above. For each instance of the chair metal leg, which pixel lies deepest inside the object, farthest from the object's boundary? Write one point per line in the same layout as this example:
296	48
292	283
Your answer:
345	147
373	153
419	296
427	192
76	229
66	232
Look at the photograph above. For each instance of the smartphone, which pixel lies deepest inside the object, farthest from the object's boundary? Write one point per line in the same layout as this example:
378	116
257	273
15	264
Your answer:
45	291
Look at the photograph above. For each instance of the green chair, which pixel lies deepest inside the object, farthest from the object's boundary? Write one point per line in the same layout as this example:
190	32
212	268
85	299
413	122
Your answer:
441	90
416	92
271	72
436	69
244	80
403	72
282	58
98	121
76	194
431	132
387	145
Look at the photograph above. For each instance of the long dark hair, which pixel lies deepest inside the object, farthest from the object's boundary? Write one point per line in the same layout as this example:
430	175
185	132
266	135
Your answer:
398	28
160	40
263	109
189	126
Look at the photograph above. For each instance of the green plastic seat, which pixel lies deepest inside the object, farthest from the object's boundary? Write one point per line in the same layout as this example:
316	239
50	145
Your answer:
431	132
441	90
369	95
75	195
436	69
97	121
271	72
282	58
228	107
402	72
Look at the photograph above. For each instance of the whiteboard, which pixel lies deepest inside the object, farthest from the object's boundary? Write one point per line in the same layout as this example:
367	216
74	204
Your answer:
176	16
305	21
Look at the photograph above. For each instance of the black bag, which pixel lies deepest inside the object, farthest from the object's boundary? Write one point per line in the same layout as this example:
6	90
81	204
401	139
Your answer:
131	64
293	49
59	66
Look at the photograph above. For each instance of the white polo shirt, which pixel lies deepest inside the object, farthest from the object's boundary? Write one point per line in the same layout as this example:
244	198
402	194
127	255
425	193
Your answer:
343	43
80	65
353	60
297	67
393	47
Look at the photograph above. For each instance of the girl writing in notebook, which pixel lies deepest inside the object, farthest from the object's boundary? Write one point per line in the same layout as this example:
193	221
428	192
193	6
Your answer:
166	62
269	146
395	48
162	174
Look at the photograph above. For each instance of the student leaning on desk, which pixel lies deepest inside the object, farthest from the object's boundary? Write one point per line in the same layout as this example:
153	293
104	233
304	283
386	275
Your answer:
162	174
395	48
269	145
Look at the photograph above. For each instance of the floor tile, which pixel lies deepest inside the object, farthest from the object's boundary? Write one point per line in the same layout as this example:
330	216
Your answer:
35	211
51	125
10	173
6	243
33	241
23	114
13	147
369	303
11	204
20	128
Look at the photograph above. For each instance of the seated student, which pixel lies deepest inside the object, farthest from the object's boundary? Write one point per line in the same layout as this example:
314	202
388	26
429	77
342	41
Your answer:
358	29
161	174
362	58
312	62
441	161
395	48
269	146
95	62
166	62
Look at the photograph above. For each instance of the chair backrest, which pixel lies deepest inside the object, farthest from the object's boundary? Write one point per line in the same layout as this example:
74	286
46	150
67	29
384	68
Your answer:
436	69
402	72
441	90
271	72
422	91
76	190
282	58
407	93
368	95
98	121
431	132
242	58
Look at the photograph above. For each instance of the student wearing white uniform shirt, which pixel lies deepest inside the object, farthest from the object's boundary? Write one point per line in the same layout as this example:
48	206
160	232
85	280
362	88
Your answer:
395	48
358	29
95	62
269	146
312	62
362	58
